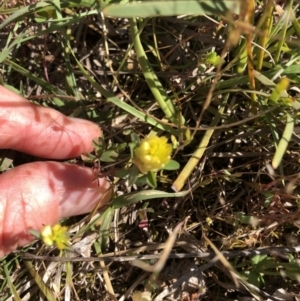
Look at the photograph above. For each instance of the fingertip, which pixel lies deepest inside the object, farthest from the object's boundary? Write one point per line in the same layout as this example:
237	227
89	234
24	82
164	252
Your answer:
40	193
78	202
88	131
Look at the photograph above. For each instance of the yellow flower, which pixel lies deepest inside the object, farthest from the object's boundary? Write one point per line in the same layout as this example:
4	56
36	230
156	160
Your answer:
55	235
152	154
209	221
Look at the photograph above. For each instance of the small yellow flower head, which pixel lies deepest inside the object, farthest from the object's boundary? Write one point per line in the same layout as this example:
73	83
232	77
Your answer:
209	221
55	235
152	154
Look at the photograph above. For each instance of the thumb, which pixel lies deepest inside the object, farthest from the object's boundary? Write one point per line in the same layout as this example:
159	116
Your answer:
40	193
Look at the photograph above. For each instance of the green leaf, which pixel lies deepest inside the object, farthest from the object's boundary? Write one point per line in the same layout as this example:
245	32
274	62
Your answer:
99	145
145	9
151	179
213	59
135	138
105	220
44	6
133	175
284	141
172	165
255	279
296	105
255	260
35	233
246	219
132	146
142	181
280	90
44	16
109	156
131	198
122	173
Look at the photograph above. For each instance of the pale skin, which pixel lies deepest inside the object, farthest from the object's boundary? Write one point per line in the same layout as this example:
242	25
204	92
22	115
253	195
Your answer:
41	193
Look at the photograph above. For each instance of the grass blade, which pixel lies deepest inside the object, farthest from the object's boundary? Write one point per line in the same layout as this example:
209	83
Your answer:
153	82
39	281
284	141
147	9
10	284
135	197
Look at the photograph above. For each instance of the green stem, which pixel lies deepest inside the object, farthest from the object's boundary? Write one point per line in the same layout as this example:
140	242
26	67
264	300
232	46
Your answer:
152	80
197	155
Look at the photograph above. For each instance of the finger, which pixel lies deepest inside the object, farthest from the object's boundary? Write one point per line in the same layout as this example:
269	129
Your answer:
42	131
40	193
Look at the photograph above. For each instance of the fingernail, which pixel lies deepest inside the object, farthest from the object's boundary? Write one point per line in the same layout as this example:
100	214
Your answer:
84	200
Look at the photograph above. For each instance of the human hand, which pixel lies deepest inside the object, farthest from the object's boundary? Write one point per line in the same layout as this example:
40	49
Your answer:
40	193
